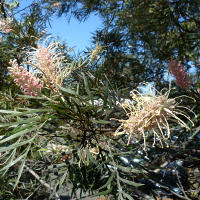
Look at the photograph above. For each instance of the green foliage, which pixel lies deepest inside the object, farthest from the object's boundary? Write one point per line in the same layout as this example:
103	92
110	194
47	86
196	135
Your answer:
66	138
140	37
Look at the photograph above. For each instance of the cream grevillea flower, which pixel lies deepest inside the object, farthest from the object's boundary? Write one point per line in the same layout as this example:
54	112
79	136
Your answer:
57	4
150	114
27	81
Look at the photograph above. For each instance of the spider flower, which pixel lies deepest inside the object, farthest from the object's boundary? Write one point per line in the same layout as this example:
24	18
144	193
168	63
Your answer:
5	25
150	115
96	51
48	60
28	83
177	69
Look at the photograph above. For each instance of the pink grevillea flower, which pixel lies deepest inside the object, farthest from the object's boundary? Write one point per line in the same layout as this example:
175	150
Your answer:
6	25
48	66
177	69
28	83
49	62
45	60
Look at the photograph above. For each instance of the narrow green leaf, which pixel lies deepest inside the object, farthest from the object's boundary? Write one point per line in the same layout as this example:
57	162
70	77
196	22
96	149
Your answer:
108	182
25	121
21	167
32	97
30	111
101	121
102	193
67	90
77	88
106	95
127	195
63	178
9	112
130	182
20	133
195	133
10	160
128	169
13	162
13	146
90	156
87	88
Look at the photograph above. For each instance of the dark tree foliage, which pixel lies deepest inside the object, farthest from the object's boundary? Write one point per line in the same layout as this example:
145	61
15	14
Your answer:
140	37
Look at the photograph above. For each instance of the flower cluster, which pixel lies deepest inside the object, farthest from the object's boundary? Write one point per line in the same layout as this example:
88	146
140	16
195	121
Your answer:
5	25
96	51
49	61
46	65
150	115
177	69
28	83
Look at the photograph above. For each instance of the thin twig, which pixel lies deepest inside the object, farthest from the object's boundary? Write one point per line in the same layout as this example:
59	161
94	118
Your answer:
33	192
181	186
41	181
178	195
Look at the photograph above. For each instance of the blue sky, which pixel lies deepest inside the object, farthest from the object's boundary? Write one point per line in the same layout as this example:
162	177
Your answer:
74	33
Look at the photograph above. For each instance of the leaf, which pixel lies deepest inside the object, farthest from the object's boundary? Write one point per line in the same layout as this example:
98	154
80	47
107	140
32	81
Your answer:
101	121
87	88
21	167
31	97
13	146
108	182
77	88
106	95
90	156
102	193
67	90
127	195
128	169
13	162
63	178
130	182
20	133
29	111
10	158
9	112
24	121
196	132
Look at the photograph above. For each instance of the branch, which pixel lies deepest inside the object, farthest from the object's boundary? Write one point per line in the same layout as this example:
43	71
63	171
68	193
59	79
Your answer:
41	181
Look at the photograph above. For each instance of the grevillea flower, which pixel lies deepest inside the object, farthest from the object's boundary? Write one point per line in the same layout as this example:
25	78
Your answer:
96	51
43	32
49	61
57	4
28	83
177	69
5	25
150	115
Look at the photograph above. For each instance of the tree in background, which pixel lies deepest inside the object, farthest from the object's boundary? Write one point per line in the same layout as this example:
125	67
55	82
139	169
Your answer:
140	37
73	122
